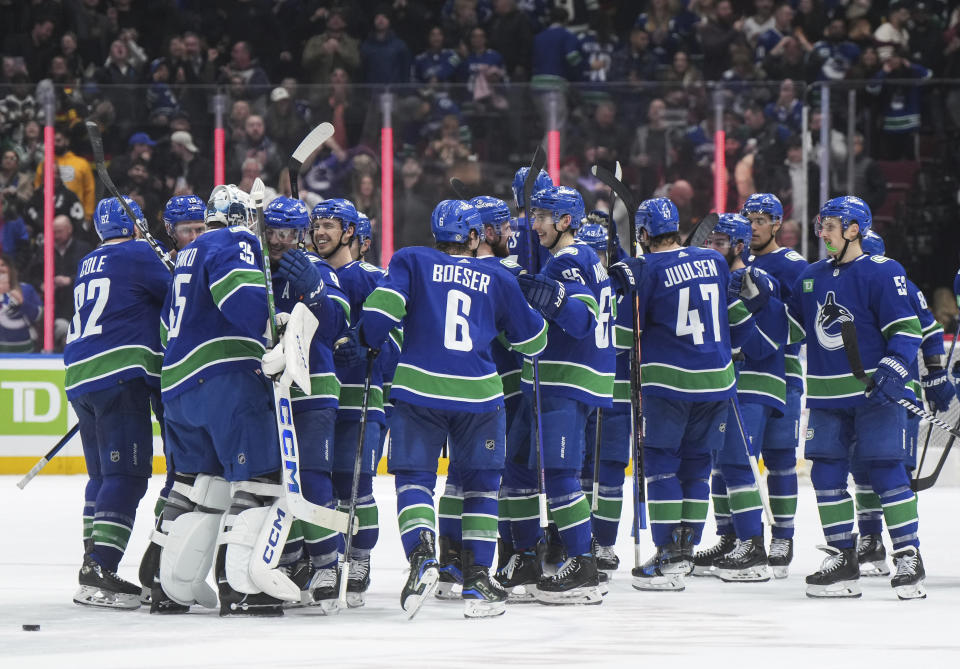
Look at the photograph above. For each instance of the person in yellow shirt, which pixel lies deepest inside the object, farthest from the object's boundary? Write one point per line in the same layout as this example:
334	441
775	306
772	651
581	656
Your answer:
75	172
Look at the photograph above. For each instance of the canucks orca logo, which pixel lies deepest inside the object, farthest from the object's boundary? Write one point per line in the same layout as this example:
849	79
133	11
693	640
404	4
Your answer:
830	315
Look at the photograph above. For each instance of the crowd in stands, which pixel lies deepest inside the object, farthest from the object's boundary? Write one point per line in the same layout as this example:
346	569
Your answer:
471	87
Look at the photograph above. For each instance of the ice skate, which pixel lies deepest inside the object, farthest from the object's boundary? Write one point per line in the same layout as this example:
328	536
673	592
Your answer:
780	556
908	581
606	556
483	596
747	562
325	590
838	575
102	588
660	571
358	581
576	582
872	556
705	561
423	577
519	576
450	584
300	572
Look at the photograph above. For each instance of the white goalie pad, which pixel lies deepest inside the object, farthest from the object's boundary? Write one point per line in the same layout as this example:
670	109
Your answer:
296	347
254	545
187	557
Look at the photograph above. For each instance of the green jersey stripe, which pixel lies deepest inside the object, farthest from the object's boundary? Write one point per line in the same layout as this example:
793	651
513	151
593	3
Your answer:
737	313
688	380
321	385
908	326
591	303
761	383
534	345
443	386
832	387
111	362
223	349
223	288
388	302
571	375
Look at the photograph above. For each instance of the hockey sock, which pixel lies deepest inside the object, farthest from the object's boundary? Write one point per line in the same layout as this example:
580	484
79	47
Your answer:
664	494
113	519
570	510
293	549
480	514
721	504
415	510
520	488
606	518
368	516
450	508
90	506
899	502
782	487
503	518
694	475
867	502
320	542
829	478
744	497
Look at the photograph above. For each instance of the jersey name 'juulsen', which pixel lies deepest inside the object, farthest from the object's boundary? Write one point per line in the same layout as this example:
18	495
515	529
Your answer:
688	271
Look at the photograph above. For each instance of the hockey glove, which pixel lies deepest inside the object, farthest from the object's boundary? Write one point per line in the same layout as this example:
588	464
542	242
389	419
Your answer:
273	362
752	286
351	350
937	389
626	274
888	381
305	277
545	295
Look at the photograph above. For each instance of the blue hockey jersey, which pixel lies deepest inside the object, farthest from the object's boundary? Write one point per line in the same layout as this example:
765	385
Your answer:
215	313
525	248
578	362
509	363
785	265
439	66
333	313
870	291
931	332
452	308
686	320
115	331
761	378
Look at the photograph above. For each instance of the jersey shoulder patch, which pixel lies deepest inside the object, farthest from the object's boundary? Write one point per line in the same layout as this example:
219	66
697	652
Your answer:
570	250
793	255
373	269
879	259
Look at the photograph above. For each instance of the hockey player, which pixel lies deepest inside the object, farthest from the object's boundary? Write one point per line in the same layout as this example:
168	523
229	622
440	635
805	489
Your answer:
871	292
615	425
524	246
302	277
219	415
446	389
184	219
781	435
761	386
576	374
113	359
335	219
364	237
938	392
688	378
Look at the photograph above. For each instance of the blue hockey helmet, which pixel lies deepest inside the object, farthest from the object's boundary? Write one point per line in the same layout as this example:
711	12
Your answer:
452	221
872	243
338	208
229	206
181	209
560	200
849	209
285	212
542	181
111	219
364	229
657	216
593	235
764	203
734	226
493	211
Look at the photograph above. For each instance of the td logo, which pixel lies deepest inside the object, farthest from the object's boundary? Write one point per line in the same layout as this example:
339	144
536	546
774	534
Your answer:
32	402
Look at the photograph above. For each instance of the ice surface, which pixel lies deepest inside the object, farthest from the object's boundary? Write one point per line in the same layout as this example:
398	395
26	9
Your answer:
765	625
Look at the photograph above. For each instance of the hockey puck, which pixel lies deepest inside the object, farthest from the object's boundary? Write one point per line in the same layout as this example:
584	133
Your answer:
31	628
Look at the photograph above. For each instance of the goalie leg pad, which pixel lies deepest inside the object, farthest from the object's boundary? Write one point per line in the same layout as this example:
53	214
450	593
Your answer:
254	545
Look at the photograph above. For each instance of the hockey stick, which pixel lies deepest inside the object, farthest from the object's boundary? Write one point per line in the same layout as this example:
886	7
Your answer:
702	230
848	332
310	144
42	462
919	484
459	188
926	442
96	143
754	467
614	183
352	510
536	165
297	504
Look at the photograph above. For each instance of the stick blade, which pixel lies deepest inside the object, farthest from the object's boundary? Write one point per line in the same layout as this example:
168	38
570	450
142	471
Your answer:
312	142
700	233
459	188
257	191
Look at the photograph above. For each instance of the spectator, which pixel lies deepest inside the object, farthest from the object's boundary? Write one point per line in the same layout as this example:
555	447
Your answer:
16	186
789	235
654	147
681	71
512	36
93	31
67	254
248	81
366	196
65	203
716	38
250	171
20	310
787	60
556	54
861	33
330	50
74	63
36	47
681	193
339	107
893	35
16	108
449	147
810	22
659	24
597	45
604	133
634	62
237	122
869	182
771	139
436	65
413	205
481	68
201	68
385	57
787	108
901	107
141	147
793	202
186	171
866	67
762	20
118	76
142	184
781	29
256	144
834	54
161	101
30	149
287	127
927	43
73	170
